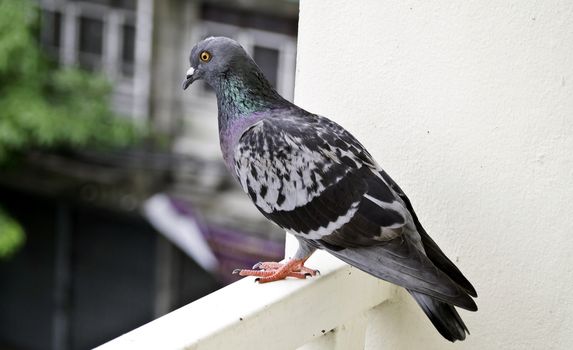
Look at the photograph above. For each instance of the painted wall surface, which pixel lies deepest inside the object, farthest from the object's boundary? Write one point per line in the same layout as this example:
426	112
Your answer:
469	106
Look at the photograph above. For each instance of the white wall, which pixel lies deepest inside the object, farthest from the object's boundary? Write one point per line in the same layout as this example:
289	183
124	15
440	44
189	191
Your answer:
469	106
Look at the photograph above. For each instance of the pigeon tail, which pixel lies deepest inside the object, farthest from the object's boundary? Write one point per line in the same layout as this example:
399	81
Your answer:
443	316
399	262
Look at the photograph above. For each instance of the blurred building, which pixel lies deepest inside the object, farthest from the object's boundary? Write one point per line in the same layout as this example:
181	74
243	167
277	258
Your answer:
94	265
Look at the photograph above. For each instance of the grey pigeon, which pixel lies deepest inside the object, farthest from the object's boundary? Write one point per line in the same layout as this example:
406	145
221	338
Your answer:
314	179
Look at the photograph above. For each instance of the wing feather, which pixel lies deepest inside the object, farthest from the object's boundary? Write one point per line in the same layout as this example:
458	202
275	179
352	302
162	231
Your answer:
325	187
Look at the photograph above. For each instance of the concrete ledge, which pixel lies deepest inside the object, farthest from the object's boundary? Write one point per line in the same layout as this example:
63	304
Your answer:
280	315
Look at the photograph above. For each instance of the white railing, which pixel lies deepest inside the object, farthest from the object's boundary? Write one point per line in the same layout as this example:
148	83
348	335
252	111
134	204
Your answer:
325	312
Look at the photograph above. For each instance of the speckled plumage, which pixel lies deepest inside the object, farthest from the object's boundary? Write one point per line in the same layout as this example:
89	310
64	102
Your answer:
313	178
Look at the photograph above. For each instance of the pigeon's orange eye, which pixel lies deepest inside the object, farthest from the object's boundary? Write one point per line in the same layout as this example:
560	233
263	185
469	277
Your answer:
205	56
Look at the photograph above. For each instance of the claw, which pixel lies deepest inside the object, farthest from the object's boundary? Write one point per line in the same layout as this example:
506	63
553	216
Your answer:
274	271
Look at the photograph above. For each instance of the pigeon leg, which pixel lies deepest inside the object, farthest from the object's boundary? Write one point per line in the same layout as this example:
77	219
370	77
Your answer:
279	271
271	265
274	271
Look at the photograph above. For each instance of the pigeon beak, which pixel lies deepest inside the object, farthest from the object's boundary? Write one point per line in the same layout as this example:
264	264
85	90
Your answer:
188	78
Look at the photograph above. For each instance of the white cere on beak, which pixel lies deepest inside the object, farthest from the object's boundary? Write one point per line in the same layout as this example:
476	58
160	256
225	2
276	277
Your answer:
190	71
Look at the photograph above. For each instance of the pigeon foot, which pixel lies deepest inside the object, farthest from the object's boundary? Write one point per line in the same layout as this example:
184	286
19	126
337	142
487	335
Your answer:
275	271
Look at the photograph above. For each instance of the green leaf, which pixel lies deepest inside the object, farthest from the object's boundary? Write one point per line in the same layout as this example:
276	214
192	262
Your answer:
11	236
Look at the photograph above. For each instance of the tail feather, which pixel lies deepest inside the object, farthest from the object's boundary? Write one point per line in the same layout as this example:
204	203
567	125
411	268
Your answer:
442	262
443	316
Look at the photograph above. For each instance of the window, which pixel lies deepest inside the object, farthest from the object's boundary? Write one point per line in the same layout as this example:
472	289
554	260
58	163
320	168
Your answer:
270	40
96	34
128	50
50	33
100	35
268	61
90	43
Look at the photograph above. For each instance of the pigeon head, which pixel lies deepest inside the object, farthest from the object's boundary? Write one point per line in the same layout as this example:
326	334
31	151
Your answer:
212	58
240	86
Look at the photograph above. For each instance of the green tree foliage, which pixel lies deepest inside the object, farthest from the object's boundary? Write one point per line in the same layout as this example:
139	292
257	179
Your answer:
43	105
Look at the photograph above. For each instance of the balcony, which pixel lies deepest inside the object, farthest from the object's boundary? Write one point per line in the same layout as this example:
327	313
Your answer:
326	312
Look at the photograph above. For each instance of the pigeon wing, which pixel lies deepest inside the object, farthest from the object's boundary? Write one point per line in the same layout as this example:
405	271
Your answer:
314	179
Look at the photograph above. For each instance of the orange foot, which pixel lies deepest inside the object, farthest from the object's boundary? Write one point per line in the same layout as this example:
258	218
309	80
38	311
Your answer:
274	271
